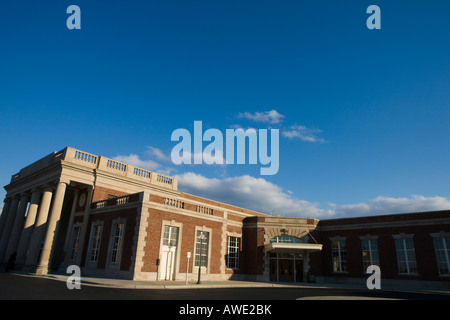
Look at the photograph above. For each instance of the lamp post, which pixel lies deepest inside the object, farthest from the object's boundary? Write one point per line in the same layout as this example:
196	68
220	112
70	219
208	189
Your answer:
202	237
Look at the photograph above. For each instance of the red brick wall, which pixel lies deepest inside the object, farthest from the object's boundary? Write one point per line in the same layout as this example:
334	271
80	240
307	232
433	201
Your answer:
423	245
253	247
316	258
107	218
102	193
185	242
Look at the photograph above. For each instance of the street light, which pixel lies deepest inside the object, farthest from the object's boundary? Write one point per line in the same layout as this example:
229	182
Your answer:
202	237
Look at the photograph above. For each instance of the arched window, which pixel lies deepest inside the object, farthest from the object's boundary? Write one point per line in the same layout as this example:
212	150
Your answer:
286	239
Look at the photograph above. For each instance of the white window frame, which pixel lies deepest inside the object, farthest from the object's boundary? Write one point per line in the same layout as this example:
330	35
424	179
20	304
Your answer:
117	243
340	251
237	248
92	242
170	241
195	253
75	239
442	236
371	250
402	238
118	261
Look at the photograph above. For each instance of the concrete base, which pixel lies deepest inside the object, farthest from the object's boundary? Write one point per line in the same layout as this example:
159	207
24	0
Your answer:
41	270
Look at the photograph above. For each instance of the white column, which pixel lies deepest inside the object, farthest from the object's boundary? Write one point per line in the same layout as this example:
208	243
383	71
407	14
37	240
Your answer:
84	226
51	233
7	227
27	231
4	215
18	225
70	227
39	228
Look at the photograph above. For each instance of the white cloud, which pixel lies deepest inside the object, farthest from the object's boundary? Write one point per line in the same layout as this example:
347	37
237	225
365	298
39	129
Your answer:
251	193
388	205
149	164
303	133
267	116
245	128
207	158
159	162
136	161
292	132
263	196
157	153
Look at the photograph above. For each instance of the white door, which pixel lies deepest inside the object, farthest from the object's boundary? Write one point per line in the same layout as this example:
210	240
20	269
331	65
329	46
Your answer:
168	254
167	262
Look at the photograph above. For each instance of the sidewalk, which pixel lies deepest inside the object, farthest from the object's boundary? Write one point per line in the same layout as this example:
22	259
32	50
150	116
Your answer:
132	284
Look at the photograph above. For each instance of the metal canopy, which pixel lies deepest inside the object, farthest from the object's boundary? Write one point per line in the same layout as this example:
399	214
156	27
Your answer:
292	247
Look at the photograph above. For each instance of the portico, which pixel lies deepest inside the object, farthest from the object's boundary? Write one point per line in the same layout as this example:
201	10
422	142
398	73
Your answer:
283	247
39	207
289	262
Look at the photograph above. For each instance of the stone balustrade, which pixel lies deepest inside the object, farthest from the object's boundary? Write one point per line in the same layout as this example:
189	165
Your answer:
174	203
105	164
117	201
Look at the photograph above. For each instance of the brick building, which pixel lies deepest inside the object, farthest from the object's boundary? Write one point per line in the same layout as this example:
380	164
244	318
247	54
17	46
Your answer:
114	219
413	246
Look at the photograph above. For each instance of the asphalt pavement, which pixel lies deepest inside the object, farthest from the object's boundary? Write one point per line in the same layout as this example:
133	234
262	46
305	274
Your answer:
54	286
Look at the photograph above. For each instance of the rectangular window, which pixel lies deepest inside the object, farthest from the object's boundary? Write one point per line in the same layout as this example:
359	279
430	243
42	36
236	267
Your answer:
406	257
95	242
442	249
234	245
117	242
201	248
75	242
339	256
369	253
170	236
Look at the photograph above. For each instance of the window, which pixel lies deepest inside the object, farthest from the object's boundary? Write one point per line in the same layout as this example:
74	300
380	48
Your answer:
95	242
339	256
369	253
75	243
170	236
285	239
442	248
117	242
234	245
201	248
406	258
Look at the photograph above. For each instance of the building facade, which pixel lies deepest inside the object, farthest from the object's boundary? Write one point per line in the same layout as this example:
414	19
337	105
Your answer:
413	247
113	219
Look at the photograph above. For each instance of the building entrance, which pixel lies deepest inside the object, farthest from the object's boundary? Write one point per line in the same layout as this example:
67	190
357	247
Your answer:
286	267
169	250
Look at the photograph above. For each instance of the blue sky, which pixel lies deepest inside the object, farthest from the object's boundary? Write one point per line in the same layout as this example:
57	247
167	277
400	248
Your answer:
363	114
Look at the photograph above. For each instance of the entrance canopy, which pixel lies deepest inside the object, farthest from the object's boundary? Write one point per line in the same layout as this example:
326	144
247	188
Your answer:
292	247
